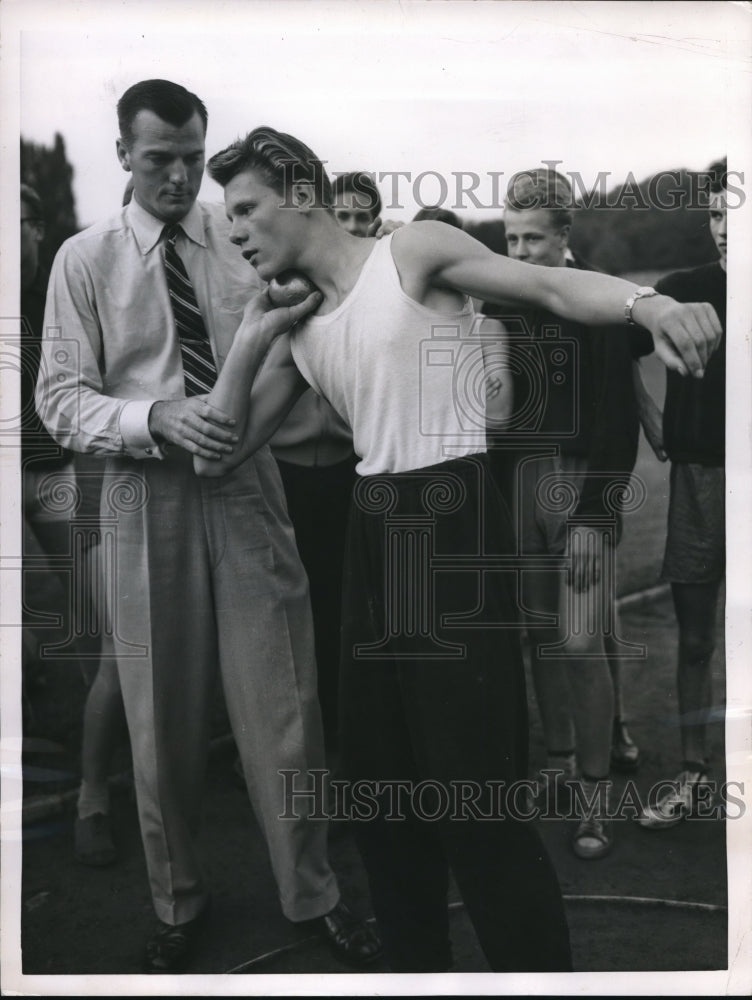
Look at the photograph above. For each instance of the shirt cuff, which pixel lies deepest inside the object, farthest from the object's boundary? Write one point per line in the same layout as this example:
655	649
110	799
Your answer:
134	429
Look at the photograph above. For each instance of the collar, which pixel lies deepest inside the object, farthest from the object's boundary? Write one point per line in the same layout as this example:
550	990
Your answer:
148	228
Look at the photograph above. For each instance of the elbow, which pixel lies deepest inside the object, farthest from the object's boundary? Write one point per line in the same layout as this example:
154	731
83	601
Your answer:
60	418
215	468
46	417
64	437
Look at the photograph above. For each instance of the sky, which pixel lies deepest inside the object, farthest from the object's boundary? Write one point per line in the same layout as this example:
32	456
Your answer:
432	88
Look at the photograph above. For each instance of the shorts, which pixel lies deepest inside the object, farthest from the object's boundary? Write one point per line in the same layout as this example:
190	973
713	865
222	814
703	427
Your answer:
543	509
696	539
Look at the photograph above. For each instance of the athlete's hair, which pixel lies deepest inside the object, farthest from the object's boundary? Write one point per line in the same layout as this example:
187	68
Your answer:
281	159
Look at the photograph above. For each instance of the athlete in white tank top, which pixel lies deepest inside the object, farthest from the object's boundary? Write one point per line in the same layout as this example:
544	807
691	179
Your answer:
381	310
412	411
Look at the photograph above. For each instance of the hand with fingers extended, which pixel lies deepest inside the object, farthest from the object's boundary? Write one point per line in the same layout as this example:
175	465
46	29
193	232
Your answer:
194	425
685	334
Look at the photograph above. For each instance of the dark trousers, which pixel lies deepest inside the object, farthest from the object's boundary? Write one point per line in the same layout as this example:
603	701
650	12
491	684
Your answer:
318	502
433	692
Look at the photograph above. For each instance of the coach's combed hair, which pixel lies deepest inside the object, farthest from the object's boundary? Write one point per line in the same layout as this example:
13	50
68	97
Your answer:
542	188
169	101
281	159
363	185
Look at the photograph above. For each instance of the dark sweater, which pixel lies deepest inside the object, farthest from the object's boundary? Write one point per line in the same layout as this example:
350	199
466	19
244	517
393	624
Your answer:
694	417
589	407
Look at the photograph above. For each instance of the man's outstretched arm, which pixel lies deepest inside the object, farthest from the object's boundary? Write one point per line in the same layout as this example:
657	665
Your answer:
433	254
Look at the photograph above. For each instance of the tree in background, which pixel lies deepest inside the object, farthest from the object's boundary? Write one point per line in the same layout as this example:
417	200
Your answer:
490	233
51	175
628	231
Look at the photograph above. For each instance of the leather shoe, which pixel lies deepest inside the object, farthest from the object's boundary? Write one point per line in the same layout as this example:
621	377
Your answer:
351	940
625	754
170	948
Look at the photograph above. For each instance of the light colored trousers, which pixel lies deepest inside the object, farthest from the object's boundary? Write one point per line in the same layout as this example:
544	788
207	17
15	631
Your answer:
206	573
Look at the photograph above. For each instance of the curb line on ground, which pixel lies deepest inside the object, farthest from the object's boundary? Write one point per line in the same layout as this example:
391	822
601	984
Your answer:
637	599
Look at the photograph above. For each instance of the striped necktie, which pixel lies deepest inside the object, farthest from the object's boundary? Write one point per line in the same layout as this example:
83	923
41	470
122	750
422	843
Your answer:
199	370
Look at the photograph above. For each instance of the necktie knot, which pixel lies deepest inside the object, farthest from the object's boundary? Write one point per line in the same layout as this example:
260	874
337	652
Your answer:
170	232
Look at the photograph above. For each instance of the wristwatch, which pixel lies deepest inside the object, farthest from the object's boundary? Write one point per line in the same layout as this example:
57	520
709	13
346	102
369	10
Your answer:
645	292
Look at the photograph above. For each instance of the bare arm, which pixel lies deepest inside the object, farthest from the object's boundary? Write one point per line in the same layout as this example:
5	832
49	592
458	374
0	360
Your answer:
259	382
432	254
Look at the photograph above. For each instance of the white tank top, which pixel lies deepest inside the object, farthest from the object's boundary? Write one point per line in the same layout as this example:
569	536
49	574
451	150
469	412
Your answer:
407	379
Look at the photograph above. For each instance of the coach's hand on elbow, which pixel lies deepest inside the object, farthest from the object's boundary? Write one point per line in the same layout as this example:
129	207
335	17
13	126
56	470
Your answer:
685	334
195	425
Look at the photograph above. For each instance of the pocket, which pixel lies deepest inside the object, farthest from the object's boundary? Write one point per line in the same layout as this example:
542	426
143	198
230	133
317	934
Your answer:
244	551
